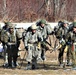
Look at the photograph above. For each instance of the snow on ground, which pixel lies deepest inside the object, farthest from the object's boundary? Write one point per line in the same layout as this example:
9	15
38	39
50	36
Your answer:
26	25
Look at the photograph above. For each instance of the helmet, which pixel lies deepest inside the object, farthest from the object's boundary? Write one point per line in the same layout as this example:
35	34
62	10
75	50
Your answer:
7	23
65	22
70	27
43	21
74	24
33	26
0	26
60	23
11	26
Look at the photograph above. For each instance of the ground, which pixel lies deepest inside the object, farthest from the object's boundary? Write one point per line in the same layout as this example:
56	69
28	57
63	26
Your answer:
51	67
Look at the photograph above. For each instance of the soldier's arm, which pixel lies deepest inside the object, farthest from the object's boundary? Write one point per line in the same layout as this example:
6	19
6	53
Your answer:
18	36
6	37
49	29
40	38
26	39
68	39
59	34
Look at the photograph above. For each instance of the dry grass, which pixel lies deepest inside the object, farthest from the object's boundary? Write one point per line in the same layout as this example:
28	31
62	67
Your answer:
51	68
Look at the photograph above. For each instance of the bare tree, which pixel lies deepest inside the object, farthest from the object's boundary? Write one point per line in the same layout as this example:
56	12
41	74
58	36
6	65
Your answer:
31	10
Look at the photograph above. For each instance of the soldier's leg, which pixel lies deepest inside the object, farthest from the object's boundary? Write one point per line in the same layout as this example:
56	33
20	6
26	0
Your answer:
29	53
43	46
29	57
5	51
9	60
74	58
69	55
39	55
43	54
5	55
34	63
9	56
15	52
34	57
75	55
60	56
15	60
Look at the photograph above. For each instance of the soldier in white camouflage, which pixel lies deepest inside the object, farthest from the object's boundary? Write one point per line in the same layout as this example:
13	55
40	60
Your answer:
32	39
45	30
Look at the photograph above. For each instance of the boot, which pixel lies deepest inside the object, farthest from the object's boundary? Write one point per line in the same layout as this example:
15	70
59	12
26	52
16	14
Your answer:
28	67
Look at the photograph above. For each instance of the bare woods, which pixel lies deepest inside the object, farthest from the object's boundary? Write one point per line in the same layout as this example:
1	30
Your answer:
31	10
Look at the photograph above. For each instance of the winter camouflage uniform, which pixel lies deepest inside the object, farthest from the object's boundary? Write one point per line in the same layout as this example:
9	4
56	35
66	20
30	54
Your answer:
31	45
45	31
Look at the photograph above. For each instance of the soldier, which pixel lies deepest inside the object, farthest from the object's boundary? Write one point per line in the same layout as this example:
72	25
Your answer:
61	35
45	31
0	32
57	27
1	45
3	33
4	29
20	32
31	45
11	43
68	44
71	42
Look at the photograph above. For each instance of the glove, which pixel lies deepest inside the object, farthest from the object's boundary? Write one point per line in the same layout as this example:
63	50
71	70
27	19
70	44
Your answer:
6	43
64	36
26	47
68	43
58	37
39	39
43	44
5	46
62	41
31	41
53	32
